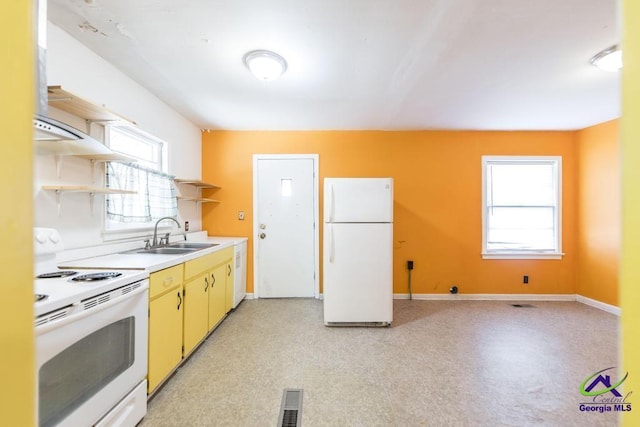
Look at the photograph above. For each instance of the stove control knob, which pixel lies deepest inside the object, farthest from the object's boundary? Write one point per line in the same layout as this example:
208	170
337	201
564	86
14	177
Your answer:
54	237
41	237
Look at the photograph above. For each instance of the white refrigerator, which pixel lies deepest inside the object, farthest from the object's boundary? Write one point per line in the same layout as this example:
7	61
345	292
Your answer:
358	251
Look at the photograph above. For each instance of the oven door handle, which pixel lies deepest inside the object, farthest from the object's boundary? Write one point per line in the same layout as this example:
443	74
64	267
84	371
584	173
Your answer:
74	317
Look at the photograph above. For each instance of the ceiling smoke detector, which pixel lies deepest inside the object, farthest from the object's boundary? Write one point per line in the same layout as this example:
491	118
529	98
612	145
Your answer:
609	59
265	64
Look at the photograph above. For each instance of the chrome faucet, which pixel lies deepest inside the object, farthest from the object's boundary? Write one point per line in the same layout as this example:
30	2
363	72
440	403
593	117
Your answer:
154	243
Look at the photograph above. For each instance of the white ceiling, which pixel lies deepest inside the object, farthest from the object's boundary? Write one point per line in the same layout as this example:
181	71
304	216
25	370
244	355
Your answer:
363	64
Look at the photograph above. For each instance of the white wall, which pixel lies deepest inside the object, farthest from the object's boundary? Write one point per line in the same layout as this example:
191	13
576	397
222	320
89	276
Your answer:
85	74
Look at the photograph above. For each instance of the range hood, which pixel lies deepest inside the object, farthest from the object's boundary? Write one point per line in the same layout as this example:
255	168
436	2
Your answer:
53	136
48	129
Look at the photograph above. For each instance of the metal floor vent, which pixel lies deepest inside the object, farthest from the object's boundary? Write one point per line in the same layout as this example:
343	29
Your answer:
291	408
522	305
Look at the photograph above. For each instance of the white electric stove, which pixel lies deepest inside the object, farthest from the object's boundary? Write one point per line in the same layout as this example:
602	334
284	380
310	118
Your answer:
91	341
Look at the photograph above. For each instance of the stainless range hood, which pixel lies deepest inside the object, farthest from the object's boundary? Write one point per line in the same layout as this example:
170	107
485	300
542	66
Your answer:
53	136
48	129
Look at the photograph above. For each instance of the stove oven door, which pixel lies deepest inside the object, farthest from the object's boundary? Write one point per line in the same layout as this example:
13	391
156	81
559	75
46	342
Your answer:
91	357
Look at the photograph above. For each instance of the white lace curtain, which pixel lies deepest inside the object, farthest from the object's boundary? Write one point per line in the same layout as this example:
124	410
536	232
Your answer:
155	197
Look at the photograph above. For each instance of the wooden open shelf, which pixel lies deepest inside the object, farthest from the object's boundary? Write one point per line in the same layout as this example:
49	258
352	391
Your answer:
66	101
92	191
196	183
85	189
197	199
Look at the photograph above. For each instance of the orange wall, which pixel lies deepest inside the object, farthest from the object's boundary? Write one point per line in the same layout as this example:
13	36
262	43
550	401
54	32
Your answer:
437	198
599	216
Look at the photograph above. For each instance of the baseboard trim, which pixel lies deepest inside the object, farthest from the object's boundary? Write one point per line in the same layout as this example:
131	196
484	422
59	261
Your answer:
489	297
599	305
248	296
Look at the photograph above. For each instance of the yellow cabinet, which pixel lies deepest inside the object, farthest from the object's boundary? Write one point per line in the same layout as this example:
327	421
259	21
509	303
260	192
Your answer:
186	302
166	306
217	295
218	269
196	306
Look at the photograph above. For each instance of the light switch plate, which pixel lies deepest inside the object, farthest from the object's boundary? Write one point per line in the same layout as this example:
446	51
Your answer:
241	215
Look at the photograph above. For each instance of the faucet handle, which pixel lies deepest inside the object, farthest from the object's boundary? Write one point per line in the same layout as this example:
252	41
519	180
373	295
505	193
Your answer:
165	240
147	244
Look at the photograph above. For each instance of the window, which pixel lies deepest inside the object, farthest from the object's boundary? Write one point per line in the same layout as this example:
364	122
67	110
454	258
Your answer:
521	215
155	194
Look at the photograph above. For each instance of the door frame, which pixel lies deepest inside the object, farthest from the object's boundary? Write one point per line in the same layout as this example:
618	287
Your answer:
316	217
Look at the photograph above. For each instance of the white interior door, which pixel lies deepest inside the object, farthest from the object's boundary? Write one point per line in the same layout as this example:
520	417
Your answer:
285	194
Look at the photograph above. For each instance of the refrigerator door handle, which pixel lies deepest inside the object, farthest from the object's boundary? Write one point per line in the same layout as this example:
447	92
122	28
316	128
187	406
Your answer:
332	246
332	208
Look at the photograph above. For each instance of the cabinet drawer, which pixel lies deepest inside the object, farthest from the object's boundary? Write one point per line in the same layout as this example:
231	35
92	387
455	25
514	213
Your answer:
163	280
196	266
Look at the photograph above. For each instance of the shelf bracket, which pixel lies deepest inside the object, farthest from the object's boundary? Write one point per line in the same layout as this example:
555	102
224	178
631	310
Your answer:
92	196
58	159
58	196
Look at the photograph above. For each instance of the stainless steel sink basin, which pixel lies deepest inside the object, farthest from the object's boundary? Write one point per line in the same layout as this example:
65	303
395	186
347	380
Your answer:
161	251
192	245
174	248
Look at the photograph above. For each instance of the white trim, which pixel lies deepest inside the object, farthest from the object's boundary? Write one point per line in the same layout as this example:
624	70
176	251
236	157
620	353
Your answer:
558	222
599	305
248	296
513	255
489	297
513	297
316	217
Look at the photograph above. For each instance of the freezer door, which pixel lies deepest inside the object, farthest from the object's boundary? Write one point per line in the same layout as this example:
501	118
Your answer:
358	200
358	273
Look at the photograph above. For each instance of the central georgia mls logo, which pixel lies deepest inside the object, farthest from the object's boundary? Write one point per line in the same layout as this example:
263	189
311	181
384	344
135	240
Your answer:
604	396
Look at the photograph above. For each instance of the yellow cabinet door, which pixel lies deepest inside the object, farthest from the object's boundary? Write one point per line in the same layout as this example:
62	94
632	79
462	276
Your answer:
229	285
165	335
196	306
217	294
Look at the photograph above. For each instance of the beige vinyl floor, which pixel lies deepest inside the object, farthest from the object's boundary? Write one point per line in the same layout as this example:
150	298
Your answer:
441	363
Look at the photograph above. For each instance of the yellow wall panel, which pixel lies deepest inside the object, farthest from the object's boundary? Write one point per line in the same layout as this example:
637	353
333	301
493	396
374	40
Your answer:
17	406
599	219
630	261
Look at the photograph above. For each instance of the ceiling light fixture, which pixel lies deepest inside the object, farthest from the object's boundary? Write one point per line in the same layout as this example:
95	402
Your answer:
609	59
265	65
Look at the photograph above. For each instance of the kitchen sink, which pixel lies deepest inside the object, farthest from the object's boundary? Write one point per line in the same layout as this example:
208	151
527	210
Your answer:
192	245
165	250
173	248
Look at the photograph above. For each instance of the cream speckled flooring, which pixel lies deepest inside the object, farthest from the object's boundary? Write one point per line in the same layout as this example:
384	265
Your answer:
441	363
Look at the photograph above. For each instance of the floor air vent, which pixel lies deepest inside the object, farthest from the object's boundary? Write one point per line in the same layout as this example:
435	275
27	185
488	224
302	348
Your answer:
522	305
291	409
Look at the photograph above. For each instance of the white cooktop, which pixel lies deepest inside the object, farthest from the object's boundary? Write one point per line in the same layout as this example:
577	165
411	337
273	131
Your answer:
62	292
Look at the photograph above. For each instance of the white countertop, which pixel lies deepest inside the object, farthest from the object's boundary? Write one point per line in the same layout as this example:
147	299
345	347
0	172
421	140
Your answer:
150	262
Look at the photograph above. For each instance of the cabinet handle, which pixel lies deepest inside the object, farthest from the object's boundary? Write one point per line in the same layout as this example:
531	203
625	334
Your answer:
213	279
179	300
167	281
229	272
206	283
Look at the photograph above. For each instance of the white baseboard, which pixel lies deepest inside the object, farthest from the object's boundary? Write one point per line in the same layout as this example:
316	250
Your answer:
489	297
248	296
600	305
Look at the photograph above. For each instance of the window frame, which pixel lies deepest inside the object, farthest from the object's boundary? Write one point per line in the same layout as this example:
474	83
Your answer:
133	230
556	162
134	132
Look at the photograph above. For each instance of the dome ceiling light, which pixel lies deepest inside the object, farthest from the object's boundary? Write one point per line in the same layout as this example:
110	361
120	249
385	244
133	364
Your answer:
609	59
265	65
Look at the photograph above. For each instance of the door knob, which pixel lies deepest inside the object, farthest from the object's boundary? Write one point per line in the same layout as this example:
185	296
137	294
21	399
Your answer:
262	235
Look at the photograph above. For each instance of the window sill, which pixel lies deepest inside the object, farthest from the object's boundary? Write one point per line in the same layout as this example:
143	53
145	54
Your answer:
520	255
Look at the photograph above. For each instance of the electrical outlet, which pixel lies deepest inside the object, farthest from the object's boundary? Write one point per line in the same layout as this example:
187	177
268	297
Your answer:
186	226
241	215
